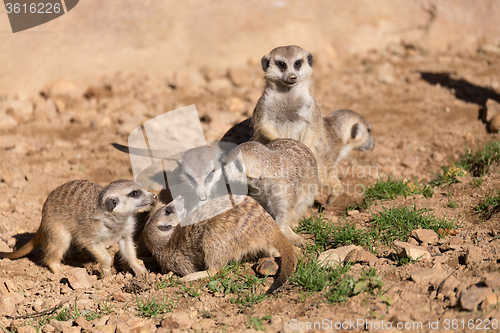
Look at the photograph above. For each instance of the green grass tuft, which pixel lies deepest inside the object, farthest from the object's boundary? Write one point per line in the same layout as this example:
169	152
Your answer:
152	307
489	206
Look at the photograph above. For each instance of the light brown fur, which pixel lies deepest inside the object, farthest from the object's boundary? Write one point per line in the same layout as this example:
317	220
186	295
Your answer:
89	216
282	176
197	250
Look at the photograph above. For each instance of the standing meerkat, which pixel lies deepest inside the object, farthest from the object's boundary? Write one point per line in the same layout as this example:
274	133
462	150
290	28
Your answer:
204	248
89	216
282	176
287	108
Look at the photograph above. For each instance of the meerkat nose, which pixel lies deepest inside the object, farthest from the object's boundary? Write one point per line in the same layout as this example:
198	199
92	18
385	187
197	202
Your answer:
292	78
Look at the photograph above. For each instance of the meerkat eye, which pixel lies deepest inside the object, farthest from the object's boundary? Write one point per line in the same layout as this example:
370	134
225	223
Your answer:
168	211
134	194
298	64
165	227
281	65
209	177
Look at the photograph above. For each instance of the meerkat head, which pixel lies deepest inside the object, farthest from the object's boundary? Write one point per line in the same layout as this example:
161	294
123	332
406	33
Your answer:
287	65
161	225
125	197
201	170
354	131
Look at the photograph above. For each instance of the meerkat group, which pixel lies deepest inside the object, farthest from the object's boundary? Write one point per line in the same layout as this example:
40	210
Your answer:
286	151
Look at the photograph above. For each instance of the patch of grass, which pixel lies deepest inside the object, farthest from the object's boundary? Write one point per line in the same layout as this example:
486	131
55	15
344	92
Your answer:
320	228
489	206
452	204
311	277
479	163
390	189
348	234
398	223
405	260
257	323
191	291
172	281
449	176
152	307
476	164
477	182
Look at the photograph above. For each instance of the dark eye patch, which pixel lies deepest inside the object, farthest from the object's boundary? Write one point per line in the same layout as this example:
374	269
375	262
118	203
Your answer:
281	65
209	177
168	211
134	194
298	64
162	227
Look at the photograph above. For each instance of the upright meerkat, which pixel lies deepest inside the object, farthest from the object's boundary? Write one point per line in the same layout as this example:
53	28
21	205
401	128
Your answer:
287	108
203	248
89	216
282	176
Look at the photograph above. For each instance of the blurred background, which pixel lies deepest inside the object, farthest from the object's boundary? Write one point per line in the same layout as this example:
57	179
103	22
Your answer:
161	37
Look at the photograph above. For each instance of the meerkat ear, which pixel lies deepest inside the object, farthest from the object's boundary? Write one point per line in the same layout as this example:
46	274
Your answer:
265	62
355	130
310	59
111	204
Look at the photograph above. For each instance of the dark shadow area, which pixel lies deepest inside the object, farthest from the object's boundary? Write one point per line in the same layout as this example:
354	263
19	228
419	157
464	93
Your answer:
463	90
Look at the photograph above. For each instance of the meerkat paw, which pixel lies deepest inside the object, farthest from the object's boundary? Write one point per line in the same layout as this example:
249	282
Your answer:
139	270
293	237
55	268
194	276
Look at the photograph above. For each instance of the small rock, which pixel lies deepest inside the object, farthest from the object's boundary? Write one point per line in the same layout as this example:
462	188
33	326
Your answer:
492	280
456	240
413	241
494	124
470	298
433	276
120	297
361	256
79	279
492	109
410	162
60	326
83	323
448	287
411	251
47	328
178	320
334	256
489	302
136	324
267	266
61	88
425	236
353	212
437	157
473	255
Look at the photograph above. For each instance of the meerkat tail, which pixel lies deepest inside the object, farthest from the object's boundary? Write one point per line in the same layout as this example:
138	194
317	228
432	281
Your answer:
154	153
25	249
288	259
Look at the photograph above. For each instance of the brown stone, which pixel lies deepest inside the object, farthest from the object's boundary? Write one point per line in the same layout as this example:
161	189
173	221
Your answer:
177	320
470	298
448	286
333	256
411	251
361	256
267	266
433	276
410	162
490	302
79	279
425	236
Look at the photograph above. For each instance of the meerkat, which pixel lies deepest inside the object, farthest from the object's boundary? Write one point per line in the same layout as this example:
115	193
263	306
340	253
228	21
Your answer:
202	249
345	131
89	216
282	176
287	108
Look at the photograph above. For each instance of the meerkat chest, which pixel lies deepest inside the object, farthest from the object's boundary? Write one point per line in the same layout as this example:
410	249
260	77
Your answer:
115	229
291	115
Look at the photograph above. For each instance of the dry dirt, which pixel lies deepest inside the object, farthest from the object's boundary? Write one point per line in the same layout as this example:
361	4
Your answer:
421	107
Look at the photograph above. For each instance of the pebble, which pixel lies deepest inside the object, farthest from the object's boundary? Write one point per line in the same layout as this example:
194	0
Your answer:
411	251
177	320
470	298
334	256
267	266
353	212
425	236
79	279
448	287
433	276
410	162
361	256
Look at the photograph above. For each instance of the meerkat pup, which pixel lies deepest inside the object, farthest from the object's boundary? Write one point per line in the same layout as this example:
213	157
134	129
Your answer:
201	249
89	216
282	176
